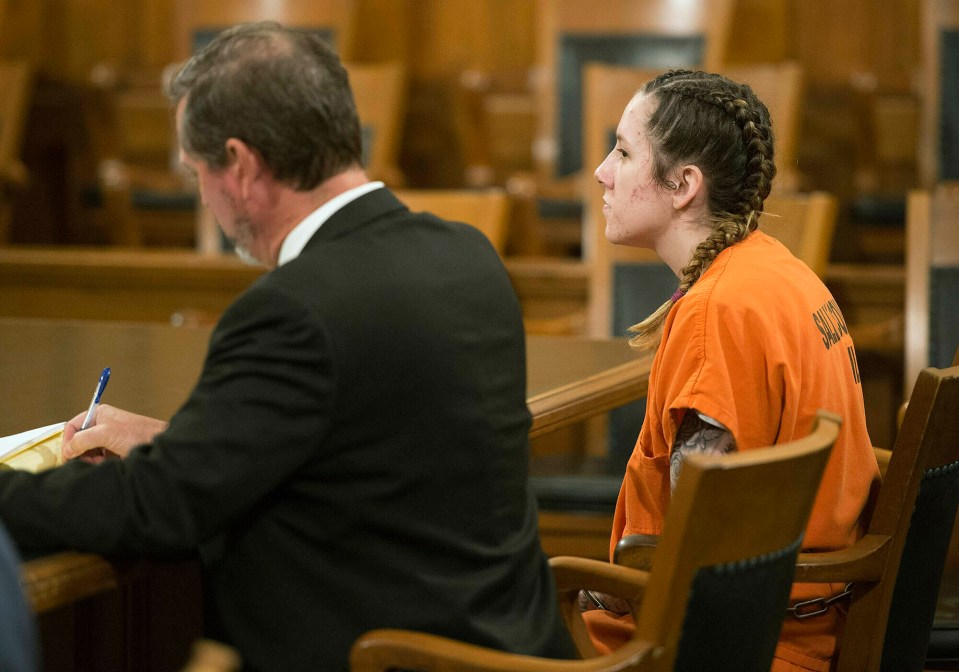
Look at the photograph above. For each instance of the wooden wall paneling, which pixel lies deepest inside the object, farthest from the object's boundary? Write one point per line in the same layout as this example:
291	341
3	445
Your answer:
447	37
382	30
154	21
828	54
21	30
759	32
498	40
190	14
82	35
894	43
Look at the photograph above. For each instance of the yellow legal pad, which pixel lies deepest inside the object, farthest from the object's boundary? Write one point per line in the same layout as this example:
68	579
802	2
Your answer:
39	453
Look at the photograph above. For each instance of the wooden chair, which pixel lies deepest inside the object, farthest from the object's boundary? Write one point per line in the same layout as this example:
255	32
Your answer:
379	90
896	566
804	223
15	85
651	34
932	278
145	198
486	209
943	650
728	524
781	87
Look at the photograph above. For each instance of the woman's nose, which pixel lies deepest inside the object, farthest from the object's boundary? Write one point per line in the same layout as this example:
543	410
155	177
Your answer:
602	175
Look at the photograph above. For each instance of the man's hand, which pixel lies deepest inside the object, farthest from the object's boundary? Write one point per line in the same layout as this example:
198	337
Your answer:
115	431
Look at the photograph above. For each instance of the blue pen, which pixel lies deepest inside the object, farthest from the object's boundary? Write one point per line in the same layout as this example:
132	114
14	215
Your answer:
101	385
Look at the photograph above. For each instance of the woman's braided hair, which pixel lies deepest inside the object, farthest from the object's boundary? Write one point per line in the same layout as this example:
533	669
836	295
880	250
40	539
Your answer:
722	127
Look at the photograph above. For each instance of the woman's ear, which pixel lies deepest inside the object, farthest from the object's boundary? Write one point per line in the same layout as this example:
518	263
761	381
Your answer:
691	187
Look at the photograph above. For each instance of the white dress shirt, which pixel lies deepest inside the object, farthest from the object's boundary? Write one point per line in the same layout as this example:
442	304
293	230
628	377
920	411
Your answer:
297	238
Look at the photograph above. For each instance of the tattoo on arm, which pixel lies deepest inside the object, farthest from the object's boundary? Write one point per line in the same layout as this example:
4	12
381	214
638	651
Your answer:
696	435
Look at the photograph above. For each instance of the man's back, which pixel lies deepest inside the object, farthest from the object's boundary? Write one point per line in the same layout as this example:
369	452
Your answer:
401	496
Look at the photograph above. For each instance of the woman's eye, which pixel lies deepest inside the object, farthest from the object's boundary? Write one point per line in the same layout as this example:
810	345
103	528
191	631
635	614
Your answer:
622	152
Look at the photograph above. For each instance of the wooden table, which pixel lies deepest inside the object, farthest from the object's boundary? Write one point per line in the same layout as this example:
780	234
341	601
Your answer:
50	368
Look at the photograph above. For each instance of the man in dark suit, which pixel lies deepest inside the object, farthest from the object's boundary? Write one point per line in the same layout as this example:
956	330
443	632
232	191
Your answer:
354	454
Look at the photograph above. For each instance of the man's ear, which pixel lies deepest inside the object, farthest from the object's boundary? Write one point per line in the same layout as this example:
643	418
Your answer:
691	187
244	164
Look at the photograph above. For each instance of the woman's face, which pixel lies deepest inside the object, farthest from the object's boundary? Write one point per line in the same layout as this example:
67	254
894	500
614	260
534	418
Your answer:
637	208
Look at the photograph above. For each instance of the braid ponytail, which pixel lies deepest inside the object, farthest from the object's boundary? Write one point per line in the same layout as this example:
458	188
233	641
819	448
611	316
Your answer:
722	127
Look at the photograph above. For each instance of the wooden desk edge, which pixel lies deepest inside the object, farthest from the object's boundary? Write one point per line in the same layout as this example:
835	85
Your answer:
61	578
567	405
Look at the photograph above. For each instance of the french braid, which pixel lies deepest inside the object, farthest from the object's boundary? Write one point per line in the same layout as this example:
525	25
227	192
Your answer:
722	127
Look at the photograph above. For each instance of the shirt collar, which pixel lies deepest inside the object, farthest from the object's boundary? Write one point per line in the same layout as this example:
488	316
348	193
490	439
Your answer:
298	237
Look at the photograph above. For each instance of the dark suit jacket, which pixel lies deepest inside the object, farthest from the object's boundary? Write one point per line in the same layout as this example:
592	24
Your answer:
353	456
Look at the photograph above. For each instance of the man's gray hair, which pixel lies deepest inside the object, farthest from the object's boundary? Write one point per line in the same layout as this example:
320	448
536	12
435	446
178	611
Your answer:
283	92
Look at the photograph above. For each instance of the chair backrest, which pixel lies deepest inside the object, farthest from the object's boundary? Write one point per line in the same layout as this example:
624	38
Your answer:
628	283
780	86
15	83
487	209
939	144
197	21
607	90
652	33
379	90
932	278
804	222
892	611
729	547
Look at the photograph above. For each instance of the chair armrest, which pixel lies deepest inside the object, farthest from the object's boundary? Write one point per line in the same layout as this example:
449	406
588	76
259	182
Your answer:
882	458
382	650
14	173
636	551
863	561
574	574
207	655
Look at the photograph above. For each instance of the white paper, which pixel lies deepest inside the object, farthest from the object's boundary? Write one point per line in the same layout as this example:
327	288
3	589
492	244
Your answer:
10	444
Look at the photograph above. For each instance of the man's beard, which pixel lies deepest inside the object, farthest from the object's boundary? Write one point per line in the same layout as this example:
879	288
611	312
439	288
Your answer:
243	240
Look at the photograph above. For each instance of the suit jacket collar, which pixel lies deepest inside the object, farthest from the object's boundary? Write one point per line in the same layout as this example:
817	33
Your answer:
356	214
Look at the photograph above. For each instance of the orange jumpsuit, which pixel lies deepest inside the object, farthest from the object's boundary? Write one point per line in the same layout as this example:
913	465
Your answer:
760	345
